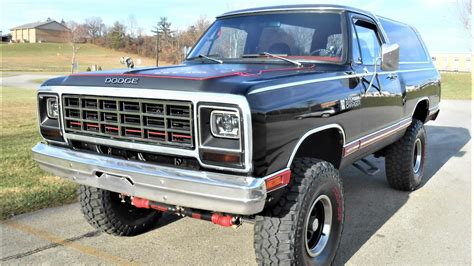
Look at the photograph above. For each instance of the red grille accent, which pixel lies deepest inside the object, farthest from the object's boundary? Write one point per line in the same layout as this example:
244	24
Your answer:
156	133
133	130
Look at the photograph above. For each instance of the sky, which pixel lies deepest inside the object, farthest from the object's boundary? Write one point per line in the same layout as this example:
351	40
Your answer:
436	20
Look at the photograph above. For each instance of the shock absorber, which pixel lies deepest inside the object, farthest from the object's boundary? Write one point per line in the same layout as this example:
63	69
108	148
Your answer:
214	217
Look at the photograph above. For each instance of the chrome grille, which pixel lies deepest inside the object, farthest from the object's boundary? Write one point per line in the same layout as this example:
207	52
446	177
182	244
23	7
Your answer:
128	119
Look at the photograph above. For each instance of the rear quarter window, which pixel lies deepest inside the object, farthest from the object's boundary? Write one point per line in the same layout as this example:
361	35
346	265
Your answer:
411	47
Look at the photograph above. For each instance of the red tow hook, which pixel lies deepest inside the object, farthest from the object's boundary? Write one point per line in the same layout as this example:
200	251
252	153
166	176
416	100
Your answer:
215	218
223	220
146	204
140	203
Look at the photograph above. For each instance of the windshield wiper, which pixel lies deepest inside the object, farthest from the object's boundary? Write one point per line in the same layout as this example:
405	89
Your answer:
273	56
208	58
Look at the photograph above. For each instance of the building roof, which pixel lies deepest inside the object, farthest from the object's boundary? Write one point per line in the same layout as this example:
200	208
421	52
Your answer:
36	25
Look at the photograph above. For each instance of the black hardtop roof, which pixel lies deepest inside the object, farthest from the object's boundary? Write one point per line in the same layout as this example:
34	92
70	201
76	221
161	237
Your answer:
307	7
295	8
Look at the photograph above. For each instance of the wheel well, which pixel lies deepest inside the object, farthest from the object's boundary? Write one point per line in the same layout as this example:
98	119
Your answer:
421	111
324	145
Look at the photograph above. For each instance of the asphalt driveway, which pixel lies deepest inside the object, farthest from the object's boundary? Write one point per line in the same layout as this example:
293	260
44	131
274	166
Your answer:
24	81
383	226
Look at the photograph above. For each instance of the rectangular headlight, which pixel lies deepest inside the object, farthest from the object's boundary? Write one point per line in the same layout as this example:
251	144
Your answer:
225	124
52	107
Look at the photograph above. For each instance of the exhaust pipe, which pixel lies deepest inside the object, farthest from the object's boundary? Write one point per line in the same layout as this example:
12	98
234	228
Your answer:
215	218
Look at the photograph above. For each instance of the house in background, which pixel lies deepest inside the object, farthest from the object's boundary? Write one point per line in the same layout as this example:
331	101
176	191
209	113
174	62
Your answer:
456	62
46	31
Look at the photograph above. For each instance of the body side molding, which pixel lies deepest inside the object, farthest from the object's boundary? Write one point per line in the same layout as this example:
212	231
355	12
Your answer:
310	81
374	137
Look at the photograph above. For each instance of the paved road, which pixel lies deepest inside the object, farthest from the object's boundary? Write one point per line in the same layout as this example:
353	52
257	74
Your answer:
23	81
431	225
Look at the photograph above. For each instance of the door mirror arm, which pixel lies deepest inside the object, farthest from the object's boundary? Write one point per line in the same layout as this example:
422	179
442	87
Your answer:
374	73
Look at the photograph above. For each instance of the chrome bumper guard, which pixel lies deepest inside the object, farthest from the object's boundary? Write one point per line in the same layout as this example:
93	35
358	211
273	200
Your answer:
187	188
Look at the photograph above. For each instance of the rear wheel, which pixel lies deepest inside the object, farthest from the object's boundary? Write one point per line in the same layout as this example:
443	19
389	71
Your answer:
305	226
105	211
405	159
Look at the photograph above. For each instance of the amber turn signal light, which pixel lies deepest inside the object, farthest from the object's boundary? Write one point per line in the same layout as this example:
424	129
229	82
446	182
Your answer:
221	157
277	181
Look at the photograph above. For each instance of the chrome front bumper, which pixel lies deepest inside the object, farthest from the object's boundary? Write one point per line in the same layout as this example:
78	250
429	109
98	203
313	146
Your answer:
187	188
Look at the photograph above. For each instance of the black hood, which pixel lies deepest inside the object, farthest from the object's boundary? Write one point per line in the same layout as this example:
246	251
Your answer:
224	78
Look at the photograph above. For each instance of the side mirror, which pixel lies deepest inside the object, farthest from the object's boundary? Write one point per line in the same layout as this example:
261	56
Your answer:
390	57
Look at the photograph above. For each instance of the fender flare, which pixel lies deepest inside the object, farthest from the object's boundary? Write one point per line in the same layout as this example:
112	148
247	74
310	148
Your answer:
313	131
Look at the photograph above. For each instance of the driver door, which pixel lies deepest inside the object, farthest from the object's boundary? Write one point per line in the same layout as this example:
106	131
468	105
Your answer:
381	100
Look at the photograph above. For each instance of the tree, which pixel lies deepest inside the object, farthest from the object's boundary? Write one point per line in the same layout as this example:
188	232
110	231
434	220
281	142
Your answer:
116	36
95	27
201	25
188	37
76	35
464	14
156	31
162	32
166	44
132	26
193	32
165	27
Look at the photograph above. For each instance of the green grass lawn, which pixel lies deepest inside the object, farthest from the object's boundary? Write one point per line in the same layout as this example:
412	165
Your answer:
23	186
456	86
56	57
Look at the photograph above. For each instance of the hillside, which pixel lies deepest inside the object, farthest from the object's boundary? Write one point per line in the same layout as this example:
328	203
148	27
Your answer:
56	57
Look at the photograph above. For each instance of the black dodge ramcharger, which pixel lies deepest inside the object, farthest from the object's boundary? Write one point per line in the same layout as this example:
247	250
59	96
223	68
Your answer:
253	126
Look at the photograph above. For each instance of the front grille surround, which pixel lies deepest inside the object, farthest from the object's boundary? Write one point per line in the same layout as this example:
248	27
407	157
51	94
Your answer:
148	121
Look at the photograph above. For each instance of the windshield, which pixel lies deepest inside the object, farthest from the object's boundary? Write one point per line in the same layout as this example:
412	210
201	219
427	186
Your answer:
297	36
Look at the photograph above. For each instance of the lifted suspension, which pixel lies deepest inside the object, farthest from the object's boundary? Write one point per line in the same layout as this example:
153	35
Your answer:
215	218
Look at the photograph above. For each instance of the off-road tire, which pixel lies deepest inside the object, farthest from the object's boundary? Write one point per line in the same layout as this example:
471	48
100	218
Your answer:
279	232
400	159
105	211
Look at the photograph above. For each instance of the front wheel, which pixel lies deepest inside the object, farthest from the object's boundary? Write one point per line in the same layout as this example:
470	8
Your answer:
305	226
106	211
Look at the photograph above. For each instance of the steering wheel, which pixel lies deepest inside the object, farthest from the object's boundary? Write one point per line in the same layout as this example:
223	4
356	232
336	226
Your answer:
325	52
317	51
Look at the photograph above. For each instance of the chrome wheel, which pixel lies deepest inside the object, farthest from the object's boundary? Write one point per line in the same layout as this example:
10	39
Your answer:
417	155
318	225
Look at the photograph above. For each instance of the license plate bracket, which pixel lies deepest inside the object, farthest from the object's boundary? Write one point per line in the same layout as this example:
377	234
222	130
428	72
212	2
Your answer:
115	183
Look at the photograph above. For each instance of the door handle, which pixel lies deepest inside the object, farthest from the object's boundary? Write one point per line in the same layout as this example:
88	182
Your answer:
392	76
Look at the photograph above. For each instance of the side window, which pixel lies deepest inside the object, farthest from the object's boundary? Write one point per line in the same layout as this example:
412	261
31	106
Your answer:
355	48
411	47
368	41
